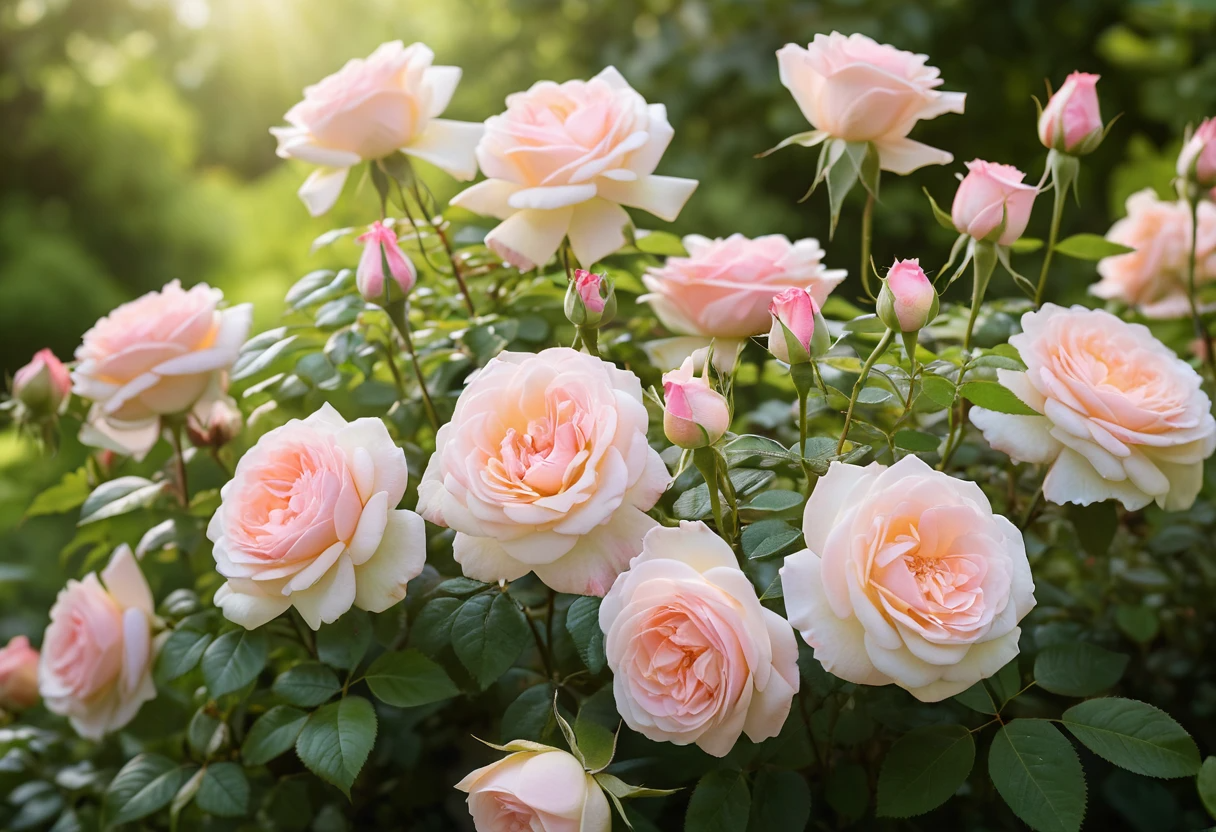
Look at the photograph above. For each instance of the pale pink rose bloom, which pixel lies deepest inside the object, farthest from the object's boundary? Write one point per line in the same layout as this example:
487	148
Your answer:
97	653
990	194
310	520
694	414
912	294
18	675
1072	118
562	160
722	290
1153	278
536	791
587	284
855	89
908	578
44	384
545	468
380	245
372	108
158	355
792	309
1123	416
695	658
1197	162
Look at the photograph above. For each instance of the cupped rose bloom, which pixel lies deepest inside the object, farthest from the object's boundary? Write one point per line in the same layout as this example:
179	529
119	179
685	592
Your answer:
908	578
793	313
310	520
992	200
158	355
1197	161
694	414
695	658
44	384
536	791
562	160
380	246
1123	417
723	289
1153	278
97	653
545	468
855	89
1072	120
372	108
908	300
18	675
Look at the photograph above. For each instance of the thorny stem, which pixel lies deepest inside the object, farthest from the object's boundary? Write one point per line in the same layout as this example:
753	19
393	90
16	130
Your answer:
707	463
541	646
447	247
883	343
179	463
398	314
867	236
1057	213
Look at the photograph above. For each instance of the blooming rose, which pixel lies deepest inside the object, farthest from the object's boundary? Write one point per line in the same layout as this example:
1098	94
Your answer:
694	414
310	520
908	300
536	791
1072	120
561	162
545	468
1197	162
1123	416
908	578
855	89
44	384
992	198
18	675
97	653
380	246
161	354
722	290
694	656
1153	278
370	109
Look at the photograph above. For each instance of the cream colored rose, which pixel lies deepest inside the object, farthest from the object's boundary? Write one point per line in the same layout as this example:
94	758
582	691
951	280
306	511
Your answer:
310	520
908	578
536	791
1122	416
545	468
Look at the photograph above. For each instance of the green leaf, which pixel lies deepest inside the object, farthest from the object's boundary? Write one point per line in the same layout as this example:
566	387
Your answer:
530	716
1078	668
583	624
144	785
993	396
1037	772
234	660
1025	245
488	635
409	679
782	802
1135	736
252	362
224	791
1138	622
694	503
461	587
432	629
774	502
343	643
844	167
660	242
865	323
767	538
977	698
923	769
938	390
848	790
180	653
917	441
748	447
308	684
1090	247
336	740
720	803
206	734
119	496
63	496
272	734
943	218
1207	785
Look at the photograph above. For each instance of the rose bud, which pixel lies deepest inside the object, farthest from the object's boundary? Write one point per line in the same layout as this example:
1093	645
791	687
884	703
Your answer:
1072	122
798	330
540	790
380	247
44	384
18	675
907	301
216	425
695	415
992	202
590	300
1197	162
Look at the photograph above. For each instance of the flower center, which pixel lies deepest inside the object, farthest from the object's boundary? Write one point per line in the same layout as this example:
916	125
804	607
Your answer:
544	458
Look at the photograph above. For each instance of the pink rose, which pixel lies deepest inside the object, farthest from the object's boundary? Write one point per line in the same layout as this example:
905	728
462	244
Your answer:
310	520
1153	278
1197	162
694	414
695	658
1122	416
587	284
97	653
1072	121
793	312
18	675
908	578
992	198
907	301
380	245
561	162
854	89
545	468
43	385
536	791
159	355
373	108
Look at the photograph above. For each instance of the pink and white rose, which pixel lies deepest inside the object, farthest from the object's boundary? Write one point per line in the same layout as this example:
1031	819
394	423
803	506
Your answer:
380	246
536	791
908	301
694	414
1072	120
993	202
18	675
545	468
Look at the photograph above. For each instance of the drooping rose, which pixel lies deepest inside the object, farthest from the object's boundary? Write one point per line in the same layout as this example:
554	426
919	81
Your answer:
380	246
310	520
372	108
1122	416
1197	161
908	578
989	195
855	89
545	468
793	312
562	160
1153	278
536	791
723	289
694	414
161	354
907	301
97	653
43	385
18	675
1072	120
695	658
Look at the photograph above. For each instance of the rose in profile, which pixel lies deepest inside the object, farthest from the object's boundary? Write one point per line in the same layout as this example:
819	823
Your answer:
43	385
537	791
18	675
694	414
992	203
1072	120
